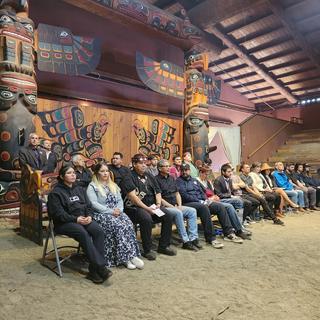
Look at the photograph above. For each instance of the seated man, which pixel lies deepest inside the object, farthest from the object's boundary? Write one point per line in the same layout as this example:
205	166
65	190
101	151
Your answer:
83	174
193	195
234	216
312	181
224	189
142	191
171	200
282	181
119	171
153	167
308	191
253	195
32	155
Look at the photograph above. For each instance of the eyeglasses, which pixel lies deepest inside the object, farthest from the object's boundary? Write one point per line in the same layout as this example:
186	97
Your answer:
165	166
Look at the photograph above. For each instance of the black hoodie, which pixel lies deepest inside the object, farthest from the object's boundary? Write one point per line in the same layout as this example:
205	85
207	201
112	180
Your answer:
65	203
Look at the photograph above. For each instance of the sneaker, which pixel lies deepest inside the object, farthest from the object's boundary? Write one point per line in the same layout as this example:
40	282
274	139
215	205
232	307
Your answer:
233	238
197	244
189	246
151	255
129	265
243	235
215	244
137	262
167	251
278	222
248	232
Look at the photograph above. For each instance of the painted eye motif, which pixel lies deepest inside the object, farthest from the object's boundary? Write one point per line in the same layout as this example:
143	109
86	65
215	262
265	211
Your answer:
5	19
6	95
29	27
31	98
64	34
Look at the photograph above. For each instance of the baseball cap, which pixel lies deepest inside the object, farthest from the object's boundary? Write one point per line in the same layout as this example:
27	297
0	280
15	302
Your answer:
185	166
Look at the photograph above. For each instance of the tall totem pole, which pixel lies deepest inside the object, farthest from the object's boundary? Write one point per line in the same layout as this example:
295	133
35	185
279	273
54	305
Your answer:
58	51
18	92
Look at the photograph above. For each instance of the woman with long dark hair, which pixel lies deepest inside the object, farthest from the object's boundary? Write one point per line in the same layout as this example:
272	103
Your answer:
120	244
71	212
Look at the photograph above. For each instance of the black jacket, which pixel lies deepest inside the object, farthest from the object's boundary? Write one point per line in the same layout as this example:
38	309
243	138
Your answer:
51	163
220	188
65	204
28	156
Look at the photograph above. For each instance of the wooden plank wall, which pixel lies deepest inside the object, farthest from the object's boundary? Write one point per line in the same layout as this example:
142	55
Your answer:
120	135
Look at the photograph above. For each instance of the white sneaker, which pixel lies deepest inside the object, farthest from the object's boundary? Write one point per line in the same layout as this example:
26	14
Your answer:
233	238
137	262
129	265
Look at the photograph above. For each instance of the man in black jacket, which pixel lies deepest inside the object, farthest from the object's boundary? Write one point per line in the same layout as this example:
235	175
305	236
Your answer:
83	174
142	191
223	188
32	154
119	171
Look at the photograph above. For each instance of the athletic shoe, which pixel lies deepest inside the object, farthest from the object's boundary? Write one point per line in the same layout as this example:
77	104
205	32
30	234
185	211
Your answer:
233	238
167	251
151	255
197	244
215	244
138	263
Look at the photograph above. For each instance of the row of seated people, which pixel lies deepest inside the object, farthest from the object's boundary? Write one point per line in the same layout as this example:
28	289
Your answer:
105	209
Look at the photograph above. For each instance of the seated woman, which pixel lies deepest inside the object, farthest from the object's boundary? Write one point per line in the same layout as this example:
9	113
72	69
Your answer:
120	244
272	197
71	212
269	183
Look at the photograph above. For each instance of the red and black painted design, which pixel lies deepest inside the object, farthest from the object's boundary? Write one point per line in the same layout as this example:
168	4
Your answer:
158	141
155	18
195	85
59	51
66	126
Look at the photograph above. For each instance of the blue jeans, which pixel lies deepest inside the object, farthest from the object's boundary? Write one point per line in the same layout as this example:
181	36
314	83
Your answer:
191	215
232	213
296	196
237	203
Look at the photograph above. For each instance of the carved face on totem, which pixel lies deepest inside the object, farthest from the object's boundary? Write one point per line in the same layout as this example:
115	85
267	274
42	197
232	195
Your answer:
197	61
17	83
18	88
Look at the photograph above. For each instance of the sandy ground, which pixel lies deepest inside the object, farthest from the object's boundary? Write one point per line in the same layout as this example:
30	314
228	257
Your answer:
274	276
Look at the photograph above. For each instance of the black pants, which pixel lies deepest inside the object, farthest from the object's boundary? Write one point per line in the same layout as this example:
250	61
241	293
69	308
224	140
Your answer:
256	200
217	208
145	220
204	214
273	199
249	207
90	238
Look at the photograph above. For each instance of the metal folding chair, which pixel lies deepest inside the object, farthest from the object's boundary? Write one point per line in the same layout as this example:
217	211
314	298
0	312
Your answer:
59	260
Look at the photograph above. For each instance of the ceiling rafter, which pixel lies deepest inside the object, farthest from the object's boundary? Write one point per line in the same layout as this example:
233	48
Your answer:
291	29
251	63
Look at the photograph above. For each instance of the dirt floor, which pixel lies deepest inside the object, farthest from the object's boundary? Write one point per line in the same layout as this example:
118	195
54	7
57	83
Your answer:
274	276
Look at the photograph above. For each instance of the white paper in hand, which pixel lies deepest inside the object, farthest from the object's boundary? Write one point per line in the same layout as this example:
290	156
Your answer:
158	212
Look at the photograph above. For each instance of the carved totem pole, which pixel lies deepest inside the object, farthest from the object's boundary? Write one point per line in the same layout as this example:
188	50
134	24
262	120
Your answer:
57	51
193	84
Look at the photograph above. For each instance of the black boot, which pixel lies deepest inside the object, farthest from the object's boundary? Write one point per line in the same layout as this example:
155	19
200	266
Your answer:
104	272
93	274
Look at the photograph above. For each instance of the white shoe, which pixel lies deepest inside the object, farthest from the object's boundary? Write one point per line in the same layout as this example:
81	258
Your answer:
137	262
129	265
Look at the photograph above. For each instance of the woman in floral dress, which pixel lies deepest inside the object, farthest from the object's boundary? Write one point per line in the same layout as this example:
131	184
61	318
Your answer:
120	244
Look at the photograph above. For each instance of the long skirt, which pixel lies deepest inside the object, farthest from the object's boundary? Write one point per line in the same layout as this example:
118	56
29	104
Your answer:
120	243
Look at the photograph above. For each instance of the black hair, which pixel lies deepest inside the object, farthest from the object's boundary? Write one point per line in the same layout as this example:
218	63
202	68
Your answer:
63	170
118	154
225	167
98	166
176	156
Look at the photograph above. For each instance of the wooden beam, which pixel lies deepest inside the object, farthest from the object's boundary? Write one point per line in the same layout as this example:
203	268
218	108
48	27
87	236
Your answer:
213	11
251	63
279	12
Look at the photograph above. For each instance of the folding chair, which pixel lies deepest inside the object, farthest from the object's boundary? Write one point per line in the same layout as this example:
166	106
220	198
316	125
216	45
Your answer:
59	260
